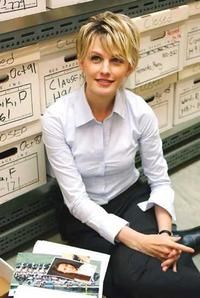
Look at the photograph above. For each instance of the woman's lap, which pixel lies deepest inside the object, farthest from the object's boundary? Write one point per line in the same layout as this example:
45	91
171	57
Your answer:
132	274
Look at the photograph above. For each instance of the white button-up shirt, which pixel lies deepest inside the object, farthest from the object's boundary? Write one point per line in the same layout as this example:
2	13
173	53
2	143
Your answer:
93	161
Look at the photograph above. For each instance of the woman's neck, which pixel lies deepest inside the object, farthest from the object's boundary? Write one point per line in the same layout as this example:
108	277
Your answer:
101	107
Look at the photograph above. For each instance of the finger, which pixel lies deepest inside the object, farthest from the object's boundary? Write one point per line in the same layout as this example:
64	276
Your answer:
168	262
182	247
174	253
174	267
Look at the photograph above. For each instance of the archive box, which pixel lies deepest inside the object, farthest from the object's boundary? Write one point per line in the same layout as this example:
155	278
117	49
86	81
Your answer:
6	272
192	44
58	69
10	9
162	40
22	167
187	95
19	87
159	95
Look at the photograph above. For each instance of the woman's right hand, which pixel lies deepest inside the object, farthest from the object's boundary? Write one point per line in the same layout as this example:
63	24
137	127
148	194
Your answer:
162	247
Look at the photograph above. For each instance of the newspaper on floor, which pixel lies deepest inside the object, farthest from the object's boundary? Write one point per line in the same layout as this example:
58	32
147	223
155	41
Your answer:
58	270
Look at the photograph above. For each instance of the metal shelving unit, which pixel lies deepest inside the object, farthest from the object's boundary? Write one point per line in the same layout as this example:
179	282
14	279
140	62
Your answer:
33	214
31	29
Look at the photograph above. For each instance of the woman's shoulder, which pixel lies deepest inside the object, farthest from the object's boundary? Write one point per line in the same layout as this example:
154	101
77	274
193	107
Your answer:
136	103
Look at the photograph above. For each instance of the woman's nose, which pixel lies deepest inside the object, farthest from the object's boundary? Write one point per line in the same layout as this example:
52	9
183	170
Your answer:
105	67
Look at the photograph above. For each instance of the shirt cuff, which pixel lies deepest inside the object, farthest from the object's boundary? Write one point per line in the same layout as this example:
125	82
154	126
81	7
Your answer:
111	227
162	196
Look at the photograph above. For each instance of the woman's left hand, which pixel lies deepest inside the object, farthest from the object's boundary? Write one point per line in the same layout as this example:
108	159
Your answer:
171	261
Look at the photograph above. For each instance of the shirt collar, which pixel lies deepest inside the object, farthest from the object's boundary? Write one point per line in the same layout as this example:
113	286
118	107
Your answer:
83	113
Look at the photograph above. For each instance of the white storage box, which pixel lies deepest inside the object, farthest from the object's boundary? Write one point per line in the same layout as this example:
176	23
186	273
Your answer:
16	133
22	167
6	272
160	96
162	39
19	87
61	3
15	9
58	69
192	44
187	95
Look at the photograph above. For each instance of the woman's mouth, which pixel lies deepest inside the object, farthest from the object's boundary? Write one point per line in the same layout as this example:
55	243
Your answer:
104	82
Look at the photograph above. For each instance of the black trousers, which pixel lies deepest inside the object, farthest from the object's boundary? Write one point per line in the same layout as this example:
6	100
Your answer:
132	274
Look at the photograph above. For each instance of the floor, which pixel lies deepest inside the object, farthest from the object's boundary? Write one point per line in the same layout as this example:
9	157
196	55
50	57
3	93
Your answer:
186	183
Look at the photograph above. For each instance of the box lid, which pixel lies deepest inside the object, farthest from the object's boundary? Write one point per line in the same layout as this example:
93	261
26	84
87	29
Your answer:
161	18
189	71
61	43
194	8
19	56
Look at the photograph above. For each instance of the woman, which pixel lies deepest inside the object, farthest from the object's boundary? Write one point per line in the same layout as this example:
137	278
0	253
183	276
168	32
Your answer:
91	138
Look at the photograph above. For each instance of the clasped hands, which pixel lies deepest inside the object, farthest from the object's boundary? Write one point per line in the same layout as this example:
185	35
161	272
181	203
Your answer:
163	247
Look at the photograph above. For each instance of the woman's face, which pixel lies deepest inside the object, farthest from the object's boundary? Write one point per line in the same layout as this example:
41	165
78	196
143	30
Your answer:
104	72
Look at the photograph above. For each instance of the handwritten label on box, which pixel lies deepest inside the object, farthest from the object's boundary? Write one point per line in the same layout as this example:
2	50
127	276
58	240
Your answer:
193	44
13	5
157	62
60	83
189	103
16	104
19	166
160	55
19	95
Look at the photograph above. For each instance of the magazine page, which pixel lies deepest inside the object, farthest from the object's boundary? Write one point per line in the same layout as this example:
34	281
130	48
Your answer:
54	275
24	291
46	247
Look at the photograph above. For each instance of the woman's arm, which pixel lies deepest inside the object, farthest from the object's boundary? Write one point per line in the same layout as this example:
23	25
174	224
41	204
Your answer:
69	179
161	246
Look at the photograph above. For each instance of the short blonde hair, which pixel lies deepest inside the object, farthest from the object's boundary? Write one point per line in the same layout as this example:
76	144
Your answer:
116	31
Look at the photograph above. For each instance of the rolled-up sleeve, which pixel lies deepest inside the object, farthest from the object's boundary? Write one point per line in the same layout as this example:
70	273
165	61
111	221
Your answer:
154	165
70	181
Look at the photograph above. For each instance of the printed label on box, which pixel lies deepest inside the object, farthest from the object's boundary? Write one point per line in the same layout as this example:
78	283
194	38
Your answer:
22	167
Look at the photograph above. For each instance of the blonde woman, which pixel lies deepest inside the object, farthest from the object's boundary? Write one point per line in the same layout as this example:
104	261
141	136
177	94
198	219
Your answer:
91	137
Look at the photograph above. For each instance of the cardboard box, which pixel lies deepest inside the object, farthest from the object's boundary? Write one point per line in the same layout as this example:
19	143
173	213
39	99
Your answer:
187	94
192	44
162	39
15	9
194	8
16	133
61	3
19	87
160	96
58	69
6	272
22	167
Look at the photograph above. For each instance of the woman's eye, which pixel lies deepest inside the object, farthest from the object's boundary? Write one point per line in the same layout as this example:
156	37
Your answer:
117	60
95	58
